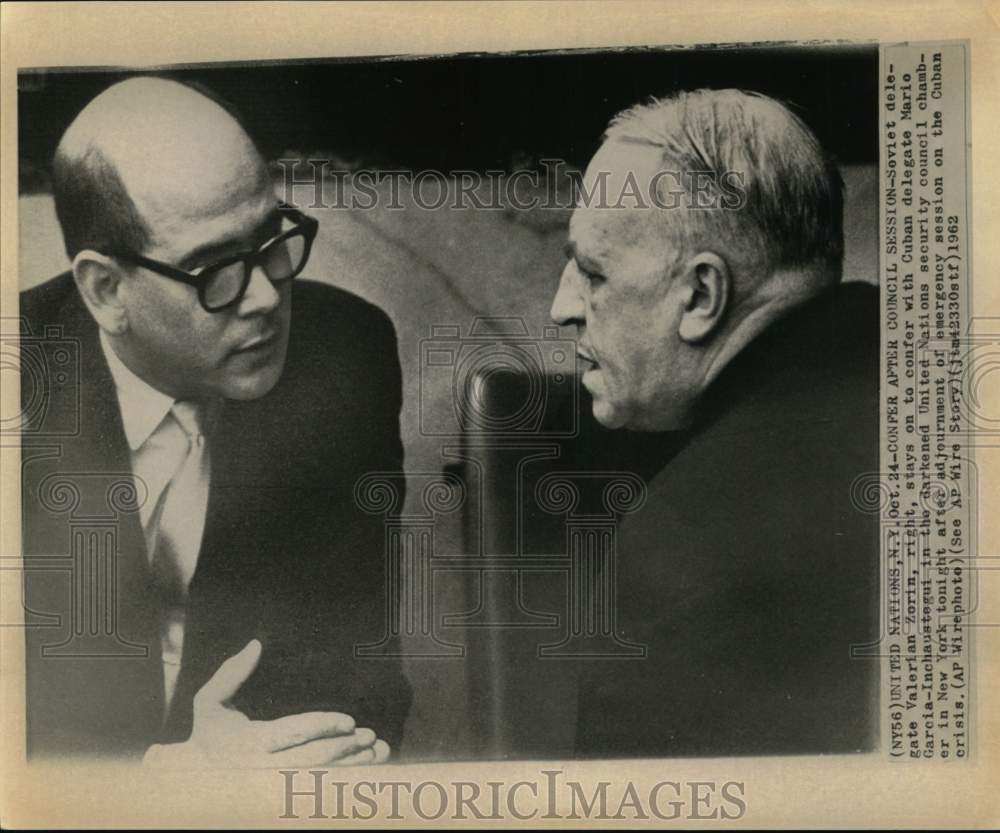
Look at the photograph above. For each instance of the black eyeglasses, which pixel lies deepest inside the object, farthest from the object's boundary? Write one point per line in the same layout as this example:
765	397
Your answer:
224	283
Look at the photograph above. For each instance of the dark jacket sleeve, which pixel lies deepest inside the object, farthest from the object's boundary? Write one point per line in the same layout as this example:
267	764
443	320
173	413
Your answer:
306	565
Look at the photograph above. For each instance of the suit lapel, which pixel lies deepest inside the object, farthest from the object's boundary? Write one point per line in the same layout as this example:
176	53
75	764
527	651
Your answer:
104	448
117	692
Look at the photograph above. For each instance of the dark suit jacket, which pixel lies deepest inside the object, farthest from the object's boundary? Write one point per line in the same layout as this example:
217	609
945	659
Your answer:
748	573
286	556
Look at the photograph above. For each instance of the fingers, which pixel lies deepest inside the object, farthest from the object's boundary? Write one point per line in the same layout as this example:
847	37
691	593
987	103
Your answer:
230	676
377	754
362	758
297	729
175	756
326	750
382	751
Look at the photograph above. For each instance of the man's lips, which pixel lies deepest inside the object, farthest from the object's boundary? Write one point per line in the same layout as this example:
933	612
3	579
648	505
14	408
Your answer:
581	355
261	342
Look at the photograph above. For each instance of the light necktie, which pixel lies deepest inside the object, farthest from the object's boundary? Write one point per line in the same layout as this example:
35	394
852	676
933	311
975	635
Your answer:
179	531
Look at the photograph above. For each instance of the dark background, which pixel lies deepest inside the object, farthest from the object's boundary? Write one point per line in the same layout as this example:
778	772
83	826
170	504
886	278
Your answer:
479	111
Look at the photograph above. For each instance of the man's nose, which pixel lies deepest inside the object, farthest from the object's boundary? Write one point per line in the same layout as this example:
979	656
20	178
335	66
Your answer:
261	295
567	306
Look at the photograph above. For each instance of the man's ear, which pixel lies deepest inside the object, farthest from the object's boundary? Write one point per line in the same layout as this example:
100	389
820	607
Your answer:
707	290
99	280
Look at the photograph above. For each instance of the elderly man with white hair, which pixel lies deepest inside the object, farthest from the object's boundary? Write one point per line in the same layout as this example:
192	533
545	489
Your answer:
715	310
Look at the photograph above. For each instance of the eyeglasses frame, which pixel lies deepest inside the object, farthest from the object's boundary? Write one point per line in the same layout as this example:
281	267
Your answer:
305	226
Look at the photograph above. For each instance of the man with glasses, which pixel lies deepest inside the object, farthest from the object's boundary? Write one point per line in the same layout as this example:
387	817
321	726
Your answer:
219	625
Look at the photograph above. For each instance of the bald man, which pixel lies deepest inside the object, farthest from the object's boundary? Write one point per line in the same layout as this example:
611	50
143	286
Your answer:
194	555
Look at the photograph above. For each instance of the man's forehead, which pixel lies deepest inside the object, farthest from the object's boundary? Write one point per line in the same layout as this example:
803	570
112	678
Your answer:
616	214
231	229
602	228
622	164
190	214
193	168
196	187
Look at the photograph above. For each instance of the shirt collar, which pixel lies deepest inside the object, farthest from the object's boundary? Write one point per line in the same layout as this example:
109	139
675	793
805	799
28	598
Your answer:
142	406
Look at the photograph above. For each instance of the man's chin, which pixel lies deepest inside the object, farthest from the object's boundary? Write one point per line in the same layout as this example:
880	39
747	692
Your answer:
607	414
251	386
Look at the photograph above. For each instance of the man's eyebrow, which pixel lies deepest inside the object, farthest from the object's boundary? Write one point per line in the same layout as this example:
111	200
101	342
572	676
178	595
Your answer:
572	252
234	243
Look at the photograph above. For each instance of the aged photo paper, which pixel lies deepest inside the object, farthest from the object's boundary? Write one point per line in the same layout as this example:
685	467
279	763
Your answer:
534	414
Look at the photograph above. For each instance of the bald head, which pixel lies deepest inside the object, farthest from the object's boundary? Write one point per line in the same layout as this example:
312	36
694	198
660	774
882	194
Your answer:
144	150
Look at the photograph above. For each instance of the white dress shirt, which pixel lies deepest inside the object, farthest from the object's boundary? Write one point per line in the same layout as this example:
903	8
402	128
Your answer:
158	448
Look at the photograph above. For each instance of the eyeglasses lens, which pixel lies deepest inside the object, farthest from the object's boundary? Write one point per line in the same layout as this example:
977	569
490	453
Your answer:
223	285
281	260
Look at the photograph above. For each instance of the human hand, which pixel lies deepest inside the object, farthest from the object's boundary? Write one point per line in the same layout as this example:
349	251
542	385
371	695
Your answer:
223	736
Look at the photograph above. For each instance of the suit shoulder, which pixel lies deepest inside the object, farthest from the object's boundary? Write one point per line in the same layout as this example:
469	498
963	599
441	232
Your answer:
858	304
40	304
320	303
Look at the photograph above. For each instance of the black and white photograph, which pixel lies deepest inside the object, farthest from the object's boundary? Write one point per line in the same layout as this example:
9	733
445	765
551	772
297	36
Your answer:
509	409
